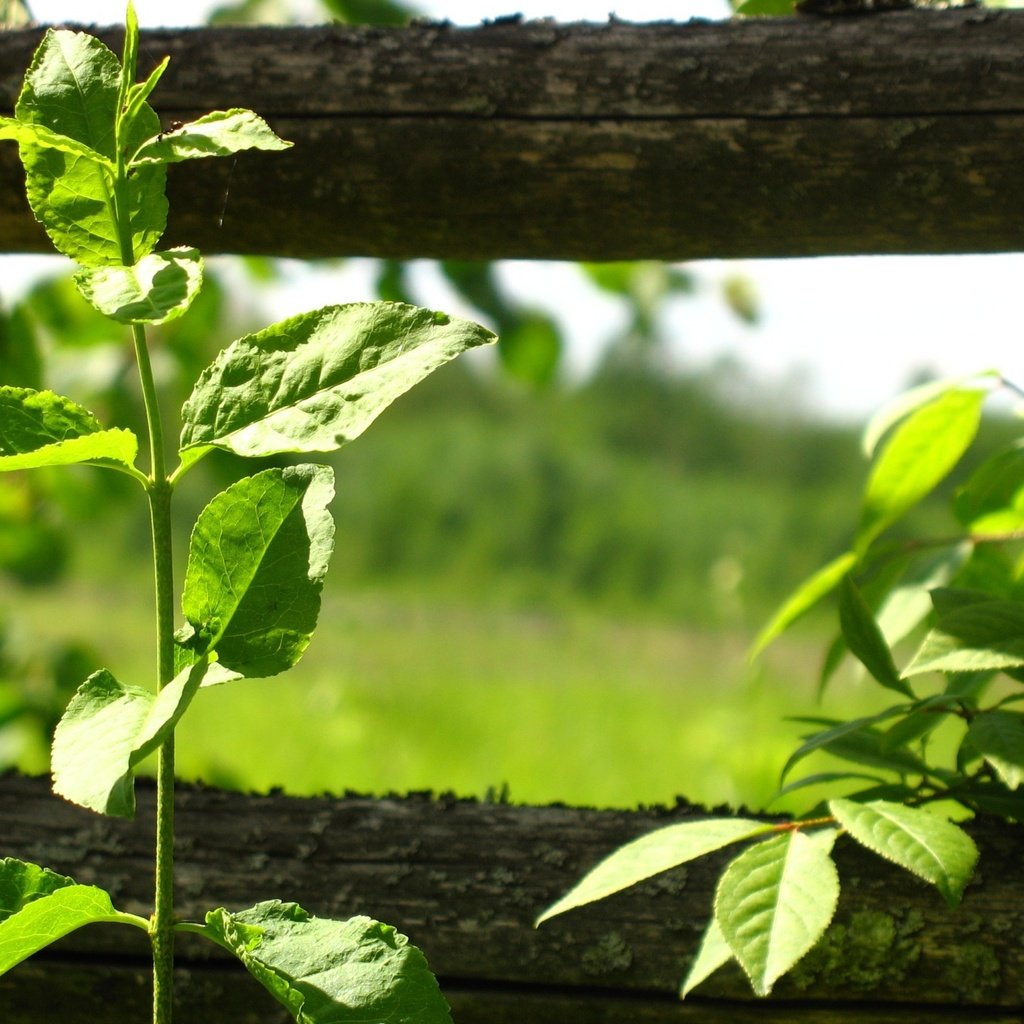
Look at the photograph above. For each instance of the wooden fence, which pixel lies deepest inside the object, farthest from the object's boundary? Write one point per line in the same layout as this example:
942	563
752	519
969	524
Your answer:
465	880
900	132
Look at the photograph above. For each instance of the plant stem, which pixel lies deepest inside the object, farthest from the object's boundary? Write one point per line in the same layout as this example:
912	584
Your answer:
160	491
163	905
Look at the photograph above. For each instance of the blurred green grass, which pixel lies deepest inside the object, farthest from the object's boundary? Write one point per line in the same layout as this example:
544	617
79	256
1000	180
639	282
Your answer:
547	595
397	694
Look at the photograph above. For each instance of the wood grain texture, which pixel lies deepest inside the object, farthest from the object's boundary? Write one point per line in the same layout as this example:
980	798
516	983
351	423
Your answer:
896	132
465	880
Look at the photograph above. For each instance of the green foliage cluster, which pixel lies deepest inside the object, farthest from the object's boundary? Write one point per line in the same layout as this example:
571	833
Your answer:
95	160
957	601
637	493
637	487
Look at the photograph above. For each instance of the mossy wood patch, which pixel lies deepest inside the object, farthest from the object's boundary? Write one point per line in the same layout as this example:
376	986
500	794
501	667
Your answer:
465	880
895	132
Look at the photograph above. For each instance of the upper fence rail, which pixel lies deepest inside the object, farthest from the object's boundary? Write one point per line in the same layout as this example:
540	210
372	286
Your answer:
898	132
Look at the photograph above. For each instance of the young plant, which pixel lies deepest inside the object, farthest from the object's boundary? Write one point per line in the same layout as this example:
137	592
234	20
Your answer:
95	160
951	745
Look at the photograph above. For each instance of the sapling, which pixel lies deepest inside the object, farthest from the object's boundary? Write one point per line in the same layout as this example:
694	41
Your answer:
95	158
938	624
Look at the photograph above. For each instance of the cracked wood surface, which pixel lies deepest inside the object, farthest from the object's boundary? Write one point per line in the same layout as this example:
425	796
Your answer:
895	132
465	881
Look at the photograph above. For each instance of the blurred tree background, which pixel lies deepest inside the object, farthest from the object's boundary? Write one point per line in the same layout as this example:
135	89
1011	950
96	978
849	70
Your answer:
541	587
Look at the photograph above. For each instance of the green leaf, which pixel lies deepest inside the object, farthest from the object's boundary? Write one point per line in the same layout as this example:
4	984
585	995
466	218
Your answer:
653	853
926	845
837	731
765	8
40	135
865	640
834	655
531	349
131	96
371	12
256	565
973	633
998	736
129	56
994	799
15	14
913	727
331	972
909	401
140	92
316	381
40	428
53	915
219	133
820	778
920	453
107	729
22	883
72	88
808	594
907	605
992	499
868	747
714	952
160	287
774	902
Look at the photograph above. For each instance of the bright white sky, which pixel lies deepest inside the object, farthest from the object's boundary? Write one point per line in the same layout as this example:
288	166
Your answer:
853	329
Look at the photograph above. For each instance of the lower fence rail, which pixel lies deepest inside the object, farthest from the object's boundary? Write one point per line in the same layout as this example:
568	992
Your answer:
465	880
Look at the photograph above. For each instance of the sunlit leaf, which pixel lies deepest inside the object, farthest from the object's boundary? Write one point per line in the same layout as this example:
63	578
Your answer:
51	915
22	883
40	428
909	603
921	452
973	633
714	952
775	901
140	92
331	972
808	594
865	640
160	287
316	381
132	95
72	88
926	845
40	135
256	565
653	853
992	499
998	736
107	729
913	399
219	133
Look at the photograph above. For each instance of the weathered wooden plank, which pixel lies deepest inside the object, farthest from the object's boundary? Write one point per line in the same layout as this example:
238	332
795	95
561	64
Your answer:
74	992
897	132
465	881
